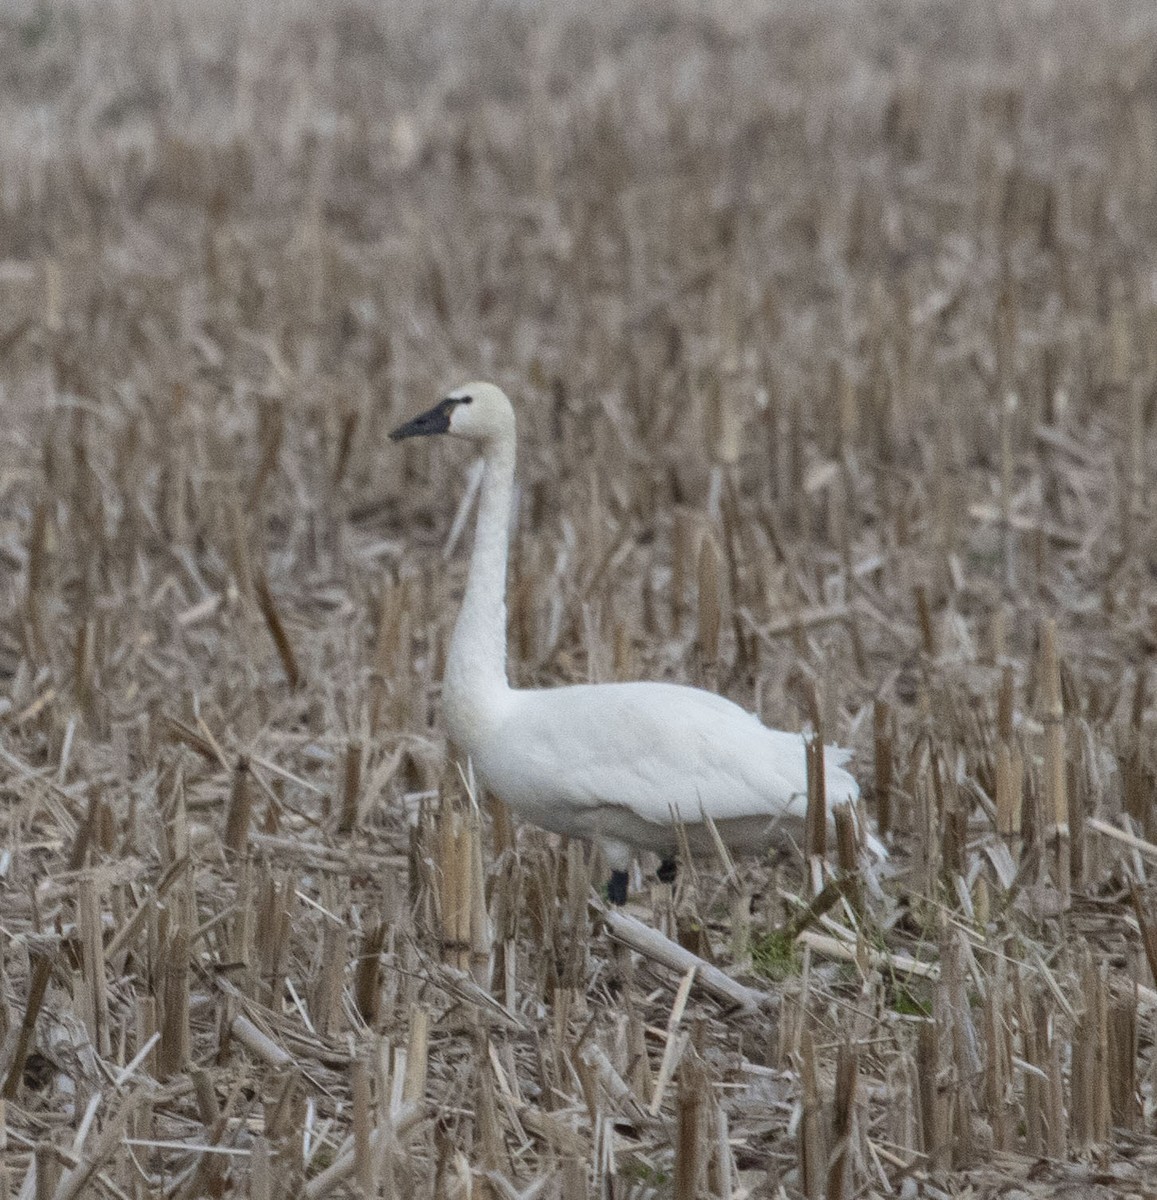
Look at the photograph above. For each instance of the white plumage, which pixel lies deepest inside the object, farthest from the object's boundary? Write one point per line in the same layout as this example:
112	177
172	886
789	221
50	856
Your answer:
616	763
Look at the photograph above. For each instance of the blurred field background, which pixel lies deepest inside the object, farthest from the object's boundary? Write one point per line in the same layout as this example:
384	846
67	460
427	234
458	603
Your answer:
832	329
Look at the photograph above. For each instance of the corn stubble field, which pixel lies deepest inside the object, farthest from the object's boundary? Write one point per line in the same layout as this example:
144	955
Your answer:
832	333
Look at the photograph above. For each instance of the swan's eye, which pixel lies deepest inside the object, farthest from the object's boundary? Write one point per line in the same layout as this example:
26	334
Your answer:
465	399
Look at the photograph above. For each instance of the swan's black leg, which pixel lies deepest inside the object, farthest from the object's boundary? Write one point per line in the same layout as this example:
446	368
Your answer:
617	887
668	869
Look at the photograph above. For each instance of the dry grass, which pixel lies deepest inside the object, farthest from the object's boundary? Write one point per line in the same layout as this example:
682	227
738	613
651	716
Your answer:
833	332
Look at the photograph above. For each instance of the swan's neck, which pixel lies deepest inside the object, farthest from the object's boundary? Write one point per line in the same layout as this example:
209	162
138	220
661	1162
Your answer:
475	682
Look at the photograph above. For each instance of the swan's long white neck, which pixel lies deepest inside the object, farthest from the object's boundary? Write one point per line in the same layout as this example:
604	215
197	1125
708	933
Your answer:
475	683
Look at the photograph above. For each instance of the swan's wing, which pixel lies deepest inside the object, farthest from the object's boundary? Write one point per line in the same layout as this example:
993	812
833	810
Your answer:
654	749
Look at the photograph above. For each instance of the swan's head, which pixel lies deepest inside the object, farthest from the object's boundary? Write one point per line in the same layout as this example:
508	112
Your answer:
479	412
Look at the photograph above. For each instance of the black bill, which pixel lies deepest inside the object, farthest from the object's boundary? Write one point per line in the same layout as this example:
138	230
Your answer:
436	420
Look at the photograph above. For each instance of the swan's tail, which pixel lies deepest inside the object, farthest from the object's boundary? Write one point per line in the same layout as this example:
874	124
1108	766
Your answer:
874	848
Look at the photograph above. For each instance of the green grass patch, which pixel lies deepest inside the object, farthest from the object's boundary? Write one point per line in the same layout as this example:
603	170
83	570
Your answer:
776	955
648	1174
908	1003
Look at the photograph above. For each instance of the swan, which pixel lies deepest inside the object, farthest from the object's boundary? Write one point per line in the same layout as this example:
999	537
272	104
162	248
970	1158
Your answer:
619	764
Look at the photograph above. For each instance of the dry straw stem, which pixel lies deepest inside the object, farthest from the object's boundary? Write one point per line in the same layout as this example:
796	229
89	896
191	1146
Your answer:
93	964
263	1046
849	950
396	1126
240	810
351	788
843	1124
1009	793
816	823
691	1143
884	764
710	603
812	1151
651	943
1145	848
277	630
1056	798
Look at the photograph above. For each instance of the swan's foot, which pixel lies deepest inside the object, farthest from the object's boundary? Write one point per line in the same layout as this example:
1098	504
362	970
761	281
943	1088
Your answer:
668	870
617	887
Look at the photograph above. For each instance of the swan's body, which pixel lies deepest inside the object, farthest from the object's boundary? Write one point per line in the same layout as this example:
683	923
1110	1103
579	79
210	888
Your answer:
621	763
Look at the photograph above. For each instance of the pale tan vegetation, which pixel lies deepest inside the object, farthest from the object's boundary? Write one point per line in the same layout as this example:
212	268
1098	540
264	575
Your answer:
832	329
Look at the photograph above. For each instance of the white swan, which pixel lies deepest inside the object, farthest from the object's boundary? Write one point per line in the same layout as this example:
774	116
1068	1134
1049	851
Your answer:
616	763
